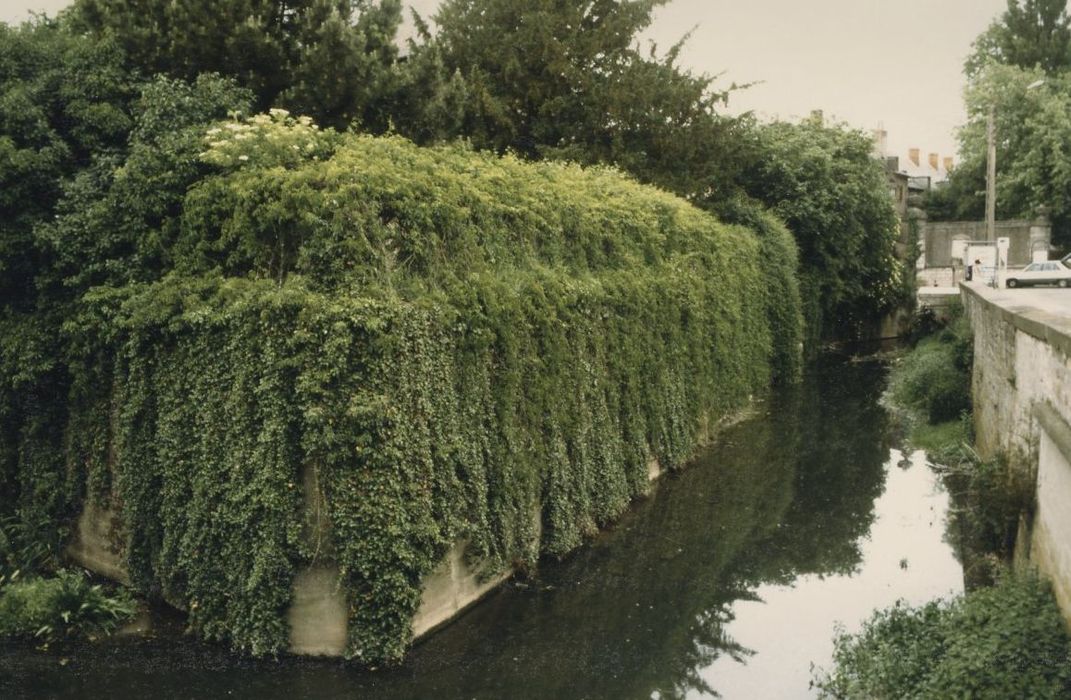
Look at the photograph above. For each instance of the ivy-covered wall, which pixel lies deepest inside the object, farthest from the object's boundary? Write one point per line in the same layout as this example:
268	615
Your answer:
460	346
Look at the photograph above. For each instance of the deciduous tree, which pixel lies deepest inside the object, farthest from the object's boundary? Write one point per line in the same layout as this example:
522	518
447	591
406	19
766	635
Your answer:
1033	129
828	189
63	100
551	79
1030	33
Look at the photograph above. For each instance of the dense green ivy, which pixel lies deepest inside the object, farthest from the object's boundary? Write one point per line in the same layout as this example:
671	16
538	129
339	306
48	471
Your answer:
458	347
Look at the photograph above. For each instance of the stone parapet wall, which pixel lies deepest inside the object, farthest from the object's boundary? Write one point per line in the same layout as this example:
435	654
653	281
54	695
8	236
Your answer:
1021	359
1050	544
1021	388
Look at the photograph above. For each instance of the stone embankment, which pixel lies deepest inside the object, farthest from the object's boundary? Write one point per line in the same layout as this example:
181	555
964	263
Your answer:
1021	389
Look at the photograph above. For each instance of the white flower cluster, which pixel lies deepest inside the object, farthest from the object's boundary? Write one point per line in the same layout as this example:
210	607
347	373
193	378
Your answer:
271	139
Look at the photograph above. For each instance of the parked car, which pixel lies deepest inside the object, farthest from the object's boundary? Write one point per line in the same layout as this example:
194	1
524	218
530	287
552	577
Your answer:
1056	272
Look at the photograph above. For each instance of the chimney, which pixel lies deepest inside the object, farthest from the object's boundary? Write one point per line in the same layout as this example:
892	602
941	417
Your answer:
881	139
913	155
949	162
934	161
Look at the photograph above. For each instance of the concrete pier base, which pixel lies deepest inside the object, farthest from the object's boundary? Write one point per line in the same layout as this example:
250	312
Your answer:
97	543
451	588
318	615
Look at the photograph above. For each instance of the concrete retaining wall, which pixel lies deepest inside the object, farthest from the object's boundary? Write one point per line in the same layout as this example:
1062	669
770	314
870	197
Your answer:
318	613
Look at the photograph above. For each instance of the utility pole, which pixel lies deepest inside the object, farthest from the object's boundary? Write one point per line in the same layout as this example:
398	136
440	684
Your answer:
991	167
991	177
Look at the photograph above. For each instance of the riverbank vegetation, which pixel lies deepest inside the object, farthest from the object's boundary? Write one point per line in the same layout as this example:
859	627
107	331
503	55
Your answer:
1004	637
45	603
215	317
930	388
457	345
933	381
66	604
1004	641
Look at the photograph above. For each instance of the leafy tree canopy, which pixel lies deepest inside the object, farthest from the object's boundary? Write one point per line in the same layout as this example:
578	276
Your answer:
63	100
1030	33
822	181
116	219
1030	45
1033	126
568	81
549	79
327	58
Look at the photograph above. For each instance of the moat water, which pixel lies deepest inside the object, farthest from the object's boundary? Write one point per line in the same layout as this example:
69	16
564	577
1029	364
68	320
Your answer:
729	581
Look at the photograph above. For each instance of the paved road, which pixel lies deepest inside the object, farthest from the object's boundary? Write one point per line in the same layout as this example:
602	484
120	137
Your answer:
1048	305
1049	299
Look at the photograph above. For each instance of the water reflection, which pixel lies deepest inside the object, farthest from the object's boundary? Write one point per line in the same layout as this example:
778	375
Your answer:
724	582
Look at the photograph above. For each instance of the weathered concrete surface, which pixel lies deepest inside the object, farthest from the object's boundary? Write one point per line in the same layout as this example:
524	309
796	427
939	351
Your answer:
451	588
939	300
1050	543
654	469
1025	237
318	613
1021	389
97	543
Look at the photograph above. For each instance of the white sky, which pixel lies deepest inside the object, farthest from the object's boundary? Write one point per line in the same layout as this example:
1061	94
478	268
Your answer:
865	62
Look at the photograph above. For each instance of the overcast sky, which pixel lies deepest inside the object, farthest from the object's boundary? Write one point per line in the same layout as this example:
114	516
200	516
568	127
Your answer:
863	61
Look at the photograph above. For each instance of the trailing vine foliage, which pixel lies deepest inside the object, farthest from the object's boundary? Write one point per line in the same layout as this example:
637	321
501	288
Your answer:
106	224
437	345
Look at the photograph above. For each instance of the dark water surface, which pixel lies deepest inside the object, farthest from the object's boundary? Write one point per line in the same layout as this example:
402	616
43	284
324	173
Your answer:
727	581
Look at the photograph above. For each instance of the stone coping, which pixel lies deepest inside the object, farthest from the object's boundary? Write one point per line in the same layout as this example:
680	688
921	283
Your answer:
1048	327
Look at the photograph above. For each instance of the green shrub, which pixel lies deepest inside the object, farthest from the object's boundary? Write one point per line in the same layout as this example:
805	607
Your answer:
784	309
934	378
943	442
68	604
25	547
1008	641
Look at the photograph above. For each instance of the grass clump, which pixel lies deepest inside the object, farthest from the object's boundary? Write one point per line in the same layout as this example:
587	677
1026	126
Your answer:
25	546
1008	641
36	603
935	439
66	605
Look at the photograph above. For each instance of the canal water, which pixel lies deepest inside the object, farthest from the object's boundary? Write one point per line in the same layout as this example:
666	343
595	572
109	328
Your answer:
729	581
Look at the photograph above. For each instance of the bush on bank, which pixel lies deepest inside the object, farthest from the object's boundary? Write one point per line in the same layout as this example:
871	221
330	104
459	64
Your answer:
63	605
1006	636
935	377
425	345
1008	641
